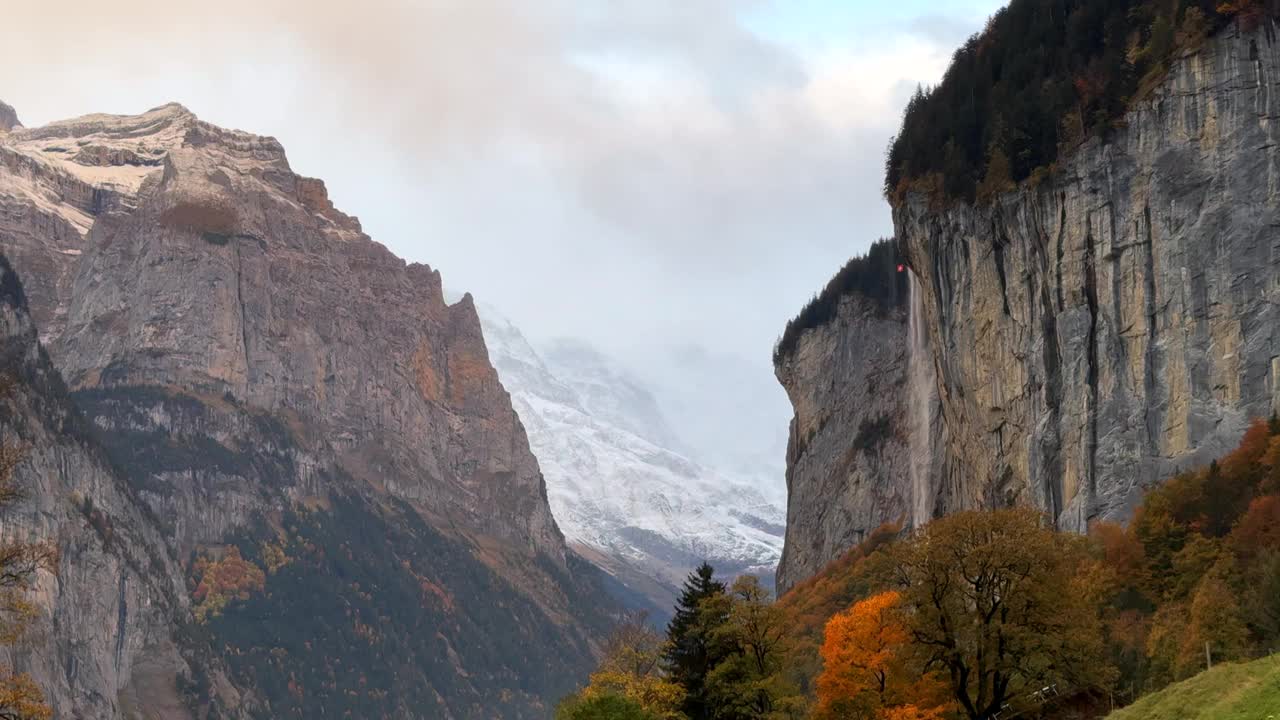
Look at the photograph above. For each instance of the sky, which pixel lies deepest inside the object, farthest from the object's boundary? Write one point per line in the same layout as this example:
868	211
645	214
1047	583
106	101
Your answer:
668	180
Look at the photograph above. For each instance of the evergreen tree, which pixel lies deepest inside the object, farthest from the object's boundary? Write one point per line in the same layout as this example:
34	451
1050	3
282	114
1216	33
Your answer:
693	647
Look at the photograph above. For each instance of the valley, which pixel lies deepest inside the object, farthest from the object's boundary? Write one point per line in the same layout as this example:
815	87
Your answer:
256	464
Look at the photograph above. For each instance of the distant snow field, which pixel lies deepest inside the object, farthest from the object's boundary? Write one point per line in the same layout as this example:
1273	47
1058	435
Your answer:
621	484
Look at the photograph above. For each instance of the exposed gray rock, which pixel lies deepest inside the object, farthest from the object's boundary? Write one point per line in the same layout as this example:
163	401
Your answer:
1093	334
215	269
240	348
1118	322
848	456
8	118
118	591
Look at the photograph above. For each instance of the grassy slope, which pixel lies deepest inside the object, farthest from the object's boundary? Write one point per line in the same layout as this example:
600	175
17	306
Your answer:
1249	691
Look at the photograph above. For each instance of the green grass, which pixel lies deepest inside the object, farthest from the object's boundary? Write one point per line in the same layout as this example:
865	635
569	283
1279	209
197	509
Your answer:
1248	691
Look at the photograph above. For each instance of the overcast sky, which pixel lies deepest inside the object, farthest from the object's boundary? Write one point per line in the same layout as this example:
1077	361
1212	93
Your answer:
661	178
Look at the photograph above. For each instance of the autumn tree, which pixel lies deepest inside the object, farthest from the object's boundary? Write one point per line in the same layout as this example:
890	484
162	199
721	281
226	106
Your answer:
999	604
865	673
1216	620
218	581
997	178
693	646
604	707
1262	609
632	669
1258	531
20	697
749	682
811	603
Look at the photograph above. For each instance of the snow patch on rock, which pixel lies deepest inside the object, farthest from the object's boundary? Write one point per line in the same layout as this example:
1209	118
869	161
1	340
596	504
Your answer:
618	479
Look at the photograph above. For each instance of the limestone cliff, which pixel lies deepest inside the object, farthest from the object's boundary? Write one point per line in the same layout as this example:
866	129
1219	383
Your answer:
1118	322
104	633
244	353
848	452
1096	332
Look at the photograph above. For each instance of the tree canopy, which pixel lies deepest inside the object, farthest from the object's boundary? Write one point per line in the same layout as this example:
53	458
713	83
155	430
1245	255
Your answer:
1042	77
1000	605
875	276
981	610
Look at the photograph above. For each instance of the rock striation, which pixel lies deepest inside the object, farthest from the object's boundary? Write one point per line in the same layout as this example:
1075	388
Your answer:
1092	334
242	350
104	630
848	456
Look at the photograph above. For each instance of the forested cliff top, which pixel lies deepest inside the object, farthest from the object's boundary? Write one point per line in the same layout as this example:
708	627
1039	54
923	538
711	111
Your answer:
1041	78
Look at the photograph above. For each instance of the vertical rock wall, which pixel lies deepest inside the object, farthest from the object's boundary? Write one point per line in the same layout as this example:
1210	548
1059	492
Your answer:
848	456
1118	322
1092	335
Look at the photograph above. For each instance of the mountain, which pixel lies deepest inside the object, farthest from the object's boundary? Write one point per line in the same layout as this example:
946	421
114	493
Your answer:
622	487
310	441
1087	332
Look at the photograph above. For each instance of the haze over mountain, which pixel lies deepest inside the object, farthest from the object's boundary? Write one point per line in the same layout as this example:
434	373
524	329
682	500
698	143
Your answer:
667	181
625	489
254	464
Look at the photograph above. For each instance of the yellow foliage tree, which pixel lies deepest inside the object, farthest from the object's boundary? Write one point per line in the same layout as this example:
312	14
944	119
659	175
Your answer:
20	697
1216	620
221	581
632	669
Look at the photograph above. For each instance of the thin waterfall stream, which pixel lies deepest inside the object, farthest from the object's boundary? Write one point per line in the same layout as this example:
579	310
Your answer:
921	407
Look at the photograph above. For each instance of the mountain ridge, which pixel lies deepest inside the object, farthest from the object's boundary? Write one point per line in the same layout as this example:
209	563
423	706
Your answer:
266	376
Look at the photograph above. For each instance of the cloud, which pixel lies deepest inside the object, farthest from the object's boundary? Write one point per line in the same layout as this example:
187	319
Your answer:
646	174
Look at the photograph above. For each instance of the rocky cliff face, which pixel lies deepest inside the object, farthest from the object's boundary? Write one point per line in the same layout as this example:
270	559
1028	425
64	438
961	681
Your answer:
104	633
242	350
1097	332
848	458
206	264
1118	322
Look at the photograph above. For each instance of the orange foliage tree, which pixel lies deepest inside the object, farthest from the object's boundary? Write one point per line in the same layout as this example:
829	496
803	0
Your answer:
1259	530
221	581
811	603
864	673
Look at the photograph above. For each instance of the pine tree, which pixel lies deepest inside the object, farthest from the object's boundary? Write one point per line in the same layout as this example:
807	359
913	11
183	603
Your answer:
693	649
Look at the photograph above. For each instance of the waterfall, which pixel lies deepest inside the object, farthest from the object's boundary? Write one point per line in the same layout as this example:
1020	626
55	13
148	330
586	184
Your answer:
921	407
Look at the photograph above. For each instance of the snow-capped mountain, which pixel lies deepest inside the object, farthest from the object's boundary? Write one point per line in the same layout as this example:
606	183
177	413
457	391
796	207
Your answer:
621	484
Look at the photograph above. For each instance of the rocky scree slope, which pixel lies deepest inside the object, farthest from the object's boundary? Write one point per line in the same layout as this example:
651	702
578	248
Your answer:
245	353
1094	333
